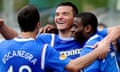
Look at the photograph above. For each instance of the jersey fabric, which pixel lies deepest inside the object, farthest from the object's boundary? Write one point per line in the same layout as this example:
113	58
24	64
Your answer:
109	64
67	46
103	32
27	55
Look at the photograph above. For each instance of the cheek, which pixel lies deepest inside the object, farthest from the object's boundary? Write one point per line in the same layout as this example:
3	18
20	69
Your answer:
78	32
70	19
55	19
69	23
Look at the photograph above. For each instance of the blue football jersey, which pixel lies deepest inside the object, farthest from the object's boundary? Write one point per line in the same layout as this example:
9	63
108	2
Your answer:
67	46
109	64
103	32
27	55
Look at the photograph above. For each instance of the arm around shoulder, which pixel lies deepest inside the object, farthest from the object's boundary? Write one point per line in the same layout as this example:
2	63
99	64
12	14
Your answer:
83	61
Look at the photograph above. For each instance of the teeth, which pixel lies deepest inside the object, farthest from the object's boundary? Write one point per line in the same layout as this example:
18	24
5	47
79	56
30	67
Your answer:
60	22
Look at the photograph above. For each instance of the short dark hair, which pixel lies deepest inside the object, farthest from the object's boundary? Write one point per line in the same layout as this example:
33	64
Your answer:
88	18
28	17
75	10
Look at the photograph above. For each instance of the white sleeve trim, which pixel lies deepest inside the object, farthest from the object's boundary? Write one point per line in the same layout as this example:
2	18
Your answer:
52	40
43	56
88	46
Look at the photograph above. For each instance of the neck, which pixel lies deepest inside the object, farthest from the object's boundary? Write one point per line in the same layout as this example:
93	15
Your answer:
64	33
90	34
27	35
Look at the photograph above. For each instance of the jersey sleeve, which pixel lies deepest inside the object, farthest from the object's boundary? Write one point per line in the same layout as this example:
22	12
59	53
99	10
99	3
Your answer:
54	60
87	48
94	67
44	37
103	32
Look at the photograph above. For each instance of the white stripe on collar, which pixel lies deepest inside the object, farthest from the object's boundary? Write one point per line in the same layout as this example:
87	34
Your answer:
94	36
67	39
23	39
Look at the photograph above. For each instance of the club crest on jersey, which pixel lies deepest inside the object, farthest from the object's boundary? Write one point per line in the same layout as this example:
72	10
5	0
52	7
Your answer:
63	56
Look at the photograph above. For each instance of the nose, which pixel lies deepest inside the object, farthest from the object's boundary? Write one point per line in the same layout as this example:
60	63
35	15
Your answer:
72	30
60	16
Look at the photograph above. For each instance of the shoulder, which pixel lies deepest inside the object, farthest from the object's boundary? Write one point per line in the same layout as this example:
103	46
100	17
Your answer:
93	40
44	35
103	32
6	42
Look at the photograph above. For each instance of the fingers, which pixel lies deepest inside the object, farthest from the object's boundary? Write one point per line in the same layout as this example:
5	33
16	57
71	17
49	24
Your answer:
47	29
104	53
1	22
41	30
96	45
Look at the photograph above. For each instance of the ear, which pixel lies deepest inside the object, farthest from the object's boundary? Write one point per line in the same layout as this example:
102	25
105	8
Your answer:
37	28
88	28
38	25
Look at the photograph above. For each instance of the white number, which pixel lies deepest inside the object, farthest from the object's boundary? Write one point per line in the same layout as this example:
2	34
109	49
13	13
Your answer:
10	69
23	67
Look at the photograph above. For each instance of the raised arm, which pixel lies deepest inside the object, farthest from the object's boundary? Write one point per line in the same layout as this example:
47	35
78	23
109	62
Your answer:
113	35
7	33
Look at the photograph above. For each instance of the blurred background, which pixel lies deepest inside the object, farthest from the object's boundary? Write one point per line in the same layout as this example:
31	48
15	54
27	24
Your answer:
107	11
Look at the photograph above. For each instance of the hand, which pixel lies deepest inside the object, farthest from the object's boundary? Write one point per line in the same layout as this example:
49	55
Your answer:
48	29
1	22
104	48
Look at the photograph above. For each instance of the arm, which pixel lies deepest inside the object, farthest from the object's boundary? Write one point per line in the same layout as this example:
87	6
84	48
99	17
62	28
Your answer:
7	33
113	34
85	60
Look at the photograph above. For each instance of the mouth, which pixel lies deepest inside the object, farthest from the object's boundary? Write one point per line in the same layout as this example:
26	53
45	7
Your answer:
60	22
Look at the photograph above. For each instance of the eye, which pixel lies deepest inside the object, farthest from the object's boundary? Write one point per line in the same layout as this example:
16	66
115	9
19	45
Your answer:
57	14
65	13
74	26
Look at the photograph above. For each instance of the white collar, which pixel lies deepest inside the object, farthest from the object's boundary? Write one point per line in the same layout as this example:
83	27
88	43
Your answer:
23	39
67	38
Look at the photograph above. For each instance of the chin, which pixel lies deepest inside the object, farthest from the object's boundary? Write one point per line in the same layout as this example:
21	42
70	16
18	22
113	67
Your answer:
80	38
61	29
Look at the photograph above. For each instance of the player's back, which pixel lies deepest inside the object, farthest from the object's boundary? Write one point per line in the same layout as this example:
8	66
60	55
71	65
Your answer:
20	55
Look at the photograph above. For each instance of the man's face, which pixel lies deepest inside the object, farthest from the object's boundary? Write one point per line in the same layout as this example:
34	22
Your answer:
64	17
78	31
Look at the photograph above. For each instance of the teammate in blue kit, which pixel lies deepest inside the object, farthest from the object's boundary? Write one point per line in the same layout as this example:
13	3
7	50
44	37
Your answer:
63	41
84	30
25	54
